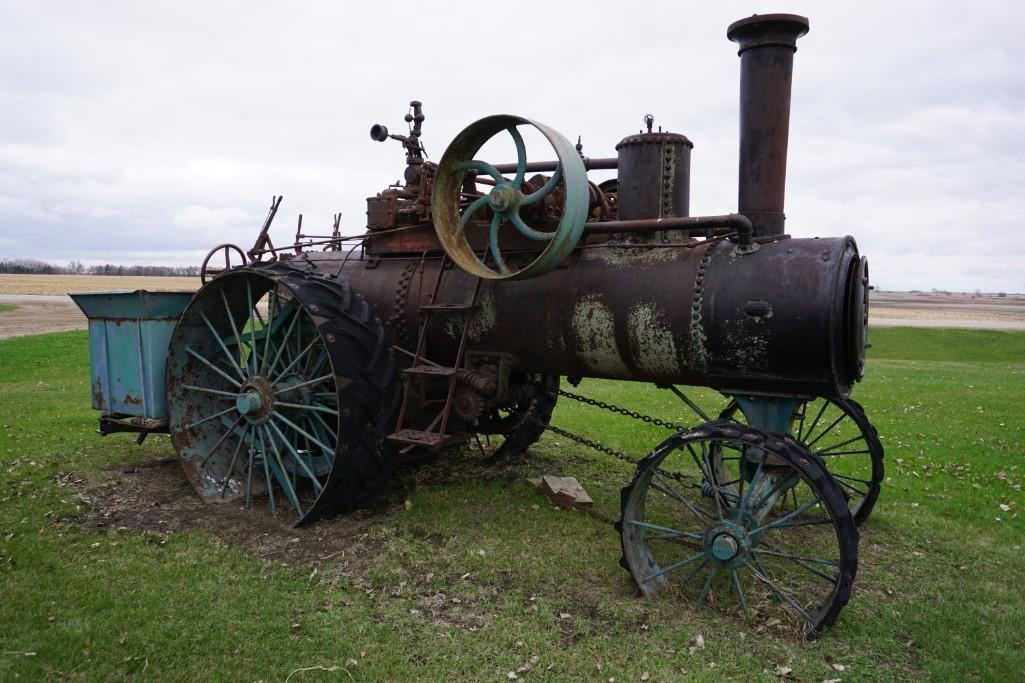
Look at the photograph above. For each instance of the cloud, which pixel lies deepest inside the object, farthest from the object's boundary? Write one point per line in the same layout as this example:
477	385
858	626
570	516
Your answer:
203	217
146	132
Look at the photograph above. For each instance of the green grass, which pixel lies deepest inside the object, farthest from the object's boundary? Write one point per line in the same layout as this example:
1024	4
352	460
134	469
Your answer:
940	591
4	308
959	346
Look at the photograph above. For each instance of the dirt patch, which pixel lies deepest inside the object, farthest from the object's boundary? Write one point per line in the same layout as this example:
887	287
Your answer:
43	305
155	497
38	314
62	284
921	309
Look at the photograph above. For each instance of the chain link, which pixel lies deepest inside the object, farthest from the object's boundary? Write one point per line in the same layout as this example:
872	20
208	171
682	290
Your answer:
622	411
602	448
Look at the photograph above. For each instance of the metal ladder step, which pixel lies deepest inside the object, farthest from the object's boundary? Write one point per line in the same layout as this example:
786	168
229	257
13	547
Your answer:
447	307
417	437
431	370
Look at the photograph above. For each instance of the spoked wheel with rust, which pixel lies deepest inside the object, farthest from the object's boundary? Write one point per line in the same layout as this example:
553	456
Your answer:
766	533
838	431
283	385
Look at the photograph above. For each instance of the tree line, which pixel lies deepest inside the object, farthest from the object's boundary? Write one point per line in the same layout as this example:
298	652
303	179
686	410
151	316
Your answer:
36	267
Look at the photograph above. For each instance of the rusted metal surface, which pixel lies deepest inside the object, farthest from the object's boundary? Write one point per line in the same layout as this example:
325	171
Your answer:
700	225
762	322
654	176
128	341
767	44
480	287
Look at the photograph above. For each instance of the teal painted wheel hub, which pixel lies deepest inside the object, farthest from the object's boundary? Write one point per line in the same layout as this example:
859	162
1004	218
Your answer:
249	403
727	544
504	197
724	547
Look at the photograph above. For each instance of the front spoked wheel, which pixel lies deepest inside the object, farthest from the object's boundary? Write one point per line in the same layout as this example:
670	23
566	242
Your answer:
746	522
838	431
282	385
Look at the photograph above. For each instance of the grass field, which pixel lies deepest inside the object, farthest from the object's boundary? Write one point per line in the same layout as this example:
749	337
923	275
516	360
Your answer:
62	284
465	573
4	308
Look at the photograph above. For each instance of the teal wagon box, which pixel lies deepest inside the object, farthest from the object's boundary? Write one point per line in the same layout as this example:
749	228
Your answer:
129	332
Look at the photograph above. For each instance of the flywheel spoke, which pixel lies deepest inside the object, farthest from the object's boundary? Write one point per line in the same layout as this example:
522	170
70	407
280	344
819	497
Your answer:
521	156
544	190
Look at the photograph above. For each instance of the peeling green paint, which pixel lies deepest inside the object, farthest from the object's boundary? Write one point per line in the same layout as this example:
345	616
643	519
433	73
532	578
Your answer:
595	335
483	319
629	257
651	340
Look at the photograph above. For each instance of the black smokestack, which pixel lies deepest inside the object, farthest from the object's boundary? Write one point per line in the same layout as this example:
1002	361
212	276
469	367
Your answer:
767	46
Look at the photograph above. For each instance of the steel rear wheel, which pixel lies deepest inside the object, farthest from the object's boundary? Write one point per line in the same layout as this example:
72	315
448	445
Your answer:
766	533
838	431
282	385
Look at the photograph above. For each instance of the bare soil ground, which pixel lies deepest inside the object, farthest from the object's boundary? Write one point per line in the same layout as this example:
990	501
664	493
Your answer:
35	314
62	284
43	305
155	498
927	306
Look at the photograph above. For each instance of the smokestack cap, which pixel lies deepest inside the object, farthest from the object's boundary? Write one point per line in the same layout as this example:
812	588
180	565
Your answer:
765	30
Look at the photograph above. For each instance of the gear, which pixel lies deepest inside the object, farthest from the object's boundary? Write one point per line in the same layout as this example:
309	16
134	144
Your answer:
468	405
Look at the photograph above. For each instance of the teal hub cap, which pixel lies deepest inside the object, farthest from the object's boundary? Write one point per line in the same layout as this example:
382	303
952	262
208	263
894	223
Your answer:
727	544
504	197
249	403
724	547
255	400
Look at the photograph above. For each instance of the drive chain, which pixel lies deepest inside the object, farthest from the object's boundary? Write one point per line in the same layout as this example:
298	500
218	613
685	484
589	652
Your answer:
602	448
622	411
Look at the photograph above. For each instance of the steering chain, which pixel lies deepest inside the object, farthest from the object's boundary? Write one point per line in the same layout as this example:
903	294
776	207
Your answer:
601	448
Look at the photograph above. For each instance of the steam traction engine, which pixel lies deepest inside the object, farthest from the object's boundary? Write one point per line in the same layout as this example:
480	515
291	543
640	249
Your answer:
303	374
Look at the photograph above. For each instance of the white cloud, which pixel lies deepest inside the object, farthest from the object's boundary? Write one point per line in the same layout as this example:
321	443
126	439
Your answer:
205	218
150	132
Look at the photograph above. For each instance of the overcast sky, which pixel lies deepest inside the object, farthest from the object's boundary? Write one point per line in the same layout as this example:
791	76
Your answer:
147	132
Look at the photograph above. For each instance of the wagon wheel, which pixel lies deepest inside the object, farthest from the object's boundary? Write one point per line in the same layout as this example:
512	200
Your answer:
505	200
282	384
523	423
837	430
774	540
206	272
